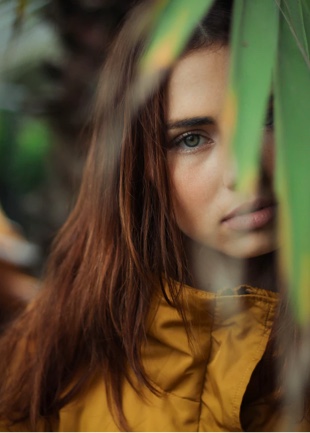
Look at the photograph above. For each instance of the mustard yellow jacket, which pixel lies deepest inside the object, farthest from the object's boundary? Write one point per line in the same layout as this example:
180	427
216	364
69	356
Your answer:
216	385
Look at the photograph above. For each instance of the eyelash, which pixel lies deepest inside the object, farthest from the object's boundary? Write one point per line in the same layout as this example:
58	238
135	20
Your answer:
177	142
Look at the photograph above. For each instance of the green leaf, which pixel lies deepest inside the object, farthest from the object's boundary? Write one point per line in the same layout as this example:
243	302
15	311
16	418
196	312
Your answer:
292	108
28	164
296	15
172	27
19	14
305	8
253	50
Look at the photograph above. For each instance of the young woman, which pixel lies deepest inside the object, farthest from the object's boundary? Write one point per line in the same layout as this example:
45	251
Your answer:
160	295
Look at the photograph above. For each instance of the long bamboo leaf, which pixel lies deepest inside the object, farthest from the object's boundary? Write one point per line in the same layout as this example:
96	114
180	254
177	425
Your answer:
292	108
296	17
175	20
172	23
305	7
254	42
305	29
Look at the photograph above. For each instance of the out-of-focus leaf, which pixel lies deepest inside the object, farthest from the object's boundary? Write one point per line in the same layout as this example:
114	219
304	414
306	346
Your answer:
304	10
20	8
292	108
174	23
28	165
19	14
254	43
297	14
306	6
8	131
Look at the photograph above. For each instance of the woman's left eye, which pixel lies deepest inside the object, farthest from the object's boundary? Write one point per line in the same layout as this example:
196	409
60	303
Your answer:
191	141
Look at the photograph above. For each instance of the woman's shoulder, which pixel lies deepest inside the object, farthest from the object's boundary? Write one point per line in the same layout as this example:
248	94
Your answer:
24	426
89	410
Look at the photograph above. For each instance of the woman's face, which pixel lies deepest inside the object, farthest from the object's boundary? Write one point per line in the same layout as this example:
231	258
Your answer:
209	209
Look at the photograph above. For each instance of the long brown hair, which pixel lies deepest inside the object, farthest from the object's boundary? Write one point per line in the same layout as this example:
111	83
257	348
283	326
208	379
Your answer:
117	248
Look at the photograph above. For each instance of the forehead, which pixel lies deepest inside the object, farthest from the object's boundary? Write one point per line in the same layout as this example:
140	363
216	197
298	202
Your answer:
197	84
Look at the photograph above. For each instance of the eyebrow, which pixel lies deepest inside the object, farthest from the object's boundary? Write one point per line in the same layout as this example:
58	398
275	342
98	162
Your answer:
191	121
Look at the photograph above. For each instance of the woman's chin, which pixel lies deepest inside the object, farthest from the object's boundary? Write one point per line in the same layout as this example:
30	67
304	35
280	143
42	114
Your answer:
253	245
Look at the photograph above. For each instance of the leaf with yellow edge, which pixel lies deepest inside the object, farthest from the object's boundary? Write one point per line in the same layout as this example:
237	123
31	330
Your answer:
253	49
174	23
292	108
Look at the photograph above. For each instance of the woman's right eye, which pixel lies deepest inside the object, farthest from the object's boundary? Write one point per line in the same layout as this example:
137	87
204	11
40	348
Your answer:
191	142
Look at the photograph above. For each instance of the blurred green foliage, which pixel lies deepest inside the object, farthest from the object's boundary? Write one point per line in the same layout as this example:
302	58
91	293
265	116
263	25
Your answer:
24	145
173	22
292	110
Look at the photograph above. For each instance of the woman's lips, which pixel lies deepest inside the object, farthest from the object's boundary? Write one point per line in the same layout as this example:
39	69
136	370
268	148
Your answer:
251	216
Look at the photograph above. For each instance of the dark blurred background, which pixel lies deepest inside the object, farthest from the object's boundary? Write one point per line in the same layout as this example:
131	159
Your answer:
51	54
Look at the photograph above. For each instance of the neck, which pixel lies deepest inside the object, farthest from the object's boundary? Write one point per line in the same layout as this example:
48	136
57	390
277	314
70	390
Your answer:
211	270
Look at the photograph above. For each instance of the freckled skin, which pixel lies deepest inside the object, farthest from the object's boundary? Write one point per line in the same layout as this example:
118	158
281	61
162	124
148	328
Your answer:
203	178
